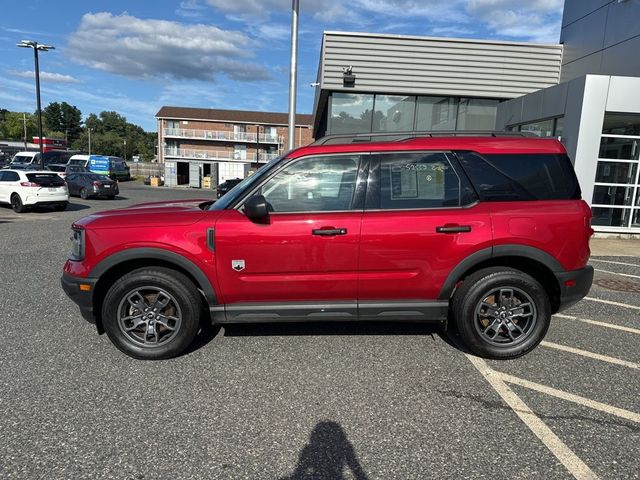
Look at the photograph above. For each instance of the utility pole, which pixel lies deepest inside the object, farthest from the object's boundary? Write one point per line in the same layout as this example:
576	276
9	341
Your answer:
293	74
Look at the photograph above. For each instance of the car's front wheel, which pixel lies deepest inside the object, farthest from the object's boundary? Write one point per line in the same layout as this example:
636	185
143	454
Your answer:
84	194
152	313
501	312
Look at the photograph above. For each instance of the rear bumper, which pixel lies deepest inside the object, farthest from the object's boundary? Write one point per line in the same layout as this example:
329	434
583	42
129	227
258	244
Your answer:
82	298
45	199
574	285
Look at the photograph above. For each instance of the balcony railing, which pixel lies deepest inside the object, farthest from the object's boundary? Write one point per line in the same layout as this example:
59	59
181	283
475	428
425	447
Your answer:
218	156
221	135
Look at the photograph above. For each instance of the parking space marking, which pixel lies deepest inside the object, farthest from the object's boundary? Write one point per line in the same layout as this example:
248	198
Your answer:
616	273
560	450
616	263
586	402
609	302
600	324
595	356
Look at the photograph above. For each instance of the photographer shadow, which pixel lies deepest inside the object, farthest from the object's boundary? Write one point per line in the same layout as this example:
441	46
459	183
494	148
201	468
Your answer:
327	455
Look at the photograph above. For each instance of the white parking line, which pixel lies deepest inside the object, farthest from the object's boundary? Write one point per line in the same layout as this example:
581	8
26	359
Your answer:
603	407
585	353
609	302
616	273
600	324
616	263
562	452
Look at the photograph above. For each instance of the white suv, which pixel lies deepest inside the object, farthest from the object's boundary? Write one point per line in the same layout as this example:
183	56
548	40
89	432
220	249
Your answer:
27	188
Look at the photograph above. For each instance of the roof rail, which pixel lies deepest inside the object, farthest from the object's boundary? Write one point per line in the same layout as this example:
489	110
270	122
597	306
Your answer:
404	136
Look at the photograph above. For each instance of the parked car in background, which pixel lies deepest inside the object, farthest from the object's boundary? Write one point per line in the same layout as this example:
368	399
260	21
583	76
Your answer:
50	157
227	185
22	166
88	185
23	189
64	169
113	167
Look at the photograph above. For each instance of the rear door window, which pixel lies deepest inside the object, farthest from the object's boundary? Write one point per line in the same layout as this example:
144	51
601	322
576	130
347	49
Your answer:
521	177
415	181
46	179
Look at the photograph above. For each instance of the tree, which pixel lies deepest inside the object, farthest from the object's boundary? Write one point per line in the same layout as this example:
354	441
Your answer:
12	126
64	118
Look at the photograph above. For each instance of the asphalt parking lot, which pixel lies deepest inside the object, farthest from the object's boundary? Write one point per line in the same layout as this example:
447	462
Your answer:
321	401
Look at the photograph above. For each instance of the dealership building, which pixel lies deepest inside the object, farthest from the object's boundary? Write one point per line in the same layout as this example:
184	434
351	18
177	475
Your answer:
584	91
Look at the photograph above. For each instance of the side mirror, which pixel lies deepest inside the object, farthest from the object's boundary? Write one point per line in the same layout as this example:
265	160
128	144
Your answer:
256	208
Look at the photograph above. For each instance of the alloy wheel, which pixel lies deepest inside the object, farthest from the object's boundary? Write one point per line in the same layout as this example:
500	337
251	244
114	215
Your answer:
149	316
505	316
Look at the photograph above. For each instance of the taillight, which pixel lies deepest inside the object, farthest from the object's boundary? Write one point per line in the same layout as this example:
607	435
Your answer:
97	184
29	184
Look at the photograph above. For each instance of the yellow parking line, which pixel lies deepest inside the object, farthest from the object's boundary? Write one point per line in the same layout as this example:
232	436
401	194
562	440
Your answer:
585	353
562	452
603	407
600	324
609	302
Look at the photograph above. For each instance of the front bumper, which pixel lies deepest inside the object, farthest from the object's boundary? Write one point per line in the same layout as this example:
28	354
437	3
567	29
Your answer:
574	286
82	298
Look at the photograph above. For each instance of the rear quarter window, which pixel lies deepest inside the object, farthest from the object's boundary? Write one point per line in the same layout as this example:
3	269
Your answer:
521	177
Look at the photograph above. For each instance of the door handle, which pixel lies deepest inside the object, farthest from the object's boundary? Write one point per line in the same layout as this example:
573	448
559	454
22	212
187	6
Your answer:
329	231
453	229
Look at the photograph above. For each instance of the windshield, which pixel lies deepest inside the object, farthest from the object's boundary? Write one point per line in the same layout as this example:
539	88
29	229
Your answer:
232	195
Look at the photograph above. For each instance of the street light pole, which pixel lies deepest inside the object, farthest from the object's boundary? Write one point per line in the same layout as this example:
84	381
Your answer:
36	47
293	74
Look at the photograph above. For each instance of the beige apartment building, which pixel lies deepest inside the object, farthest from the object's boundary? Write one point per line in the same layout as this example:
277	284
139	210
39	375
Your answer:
204	147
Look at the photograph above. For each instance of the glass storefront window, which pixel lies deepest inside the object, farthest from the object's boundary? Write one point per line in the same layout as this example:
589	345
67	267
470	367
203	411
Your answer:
436	113
558	130
477	114
543	128
619	148
394	113
611	195
350	113
616	172
610	217
621	124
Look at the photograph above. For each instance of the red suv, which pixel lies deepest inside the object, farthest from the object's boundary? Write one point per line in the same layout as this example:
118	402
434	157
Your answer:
487	231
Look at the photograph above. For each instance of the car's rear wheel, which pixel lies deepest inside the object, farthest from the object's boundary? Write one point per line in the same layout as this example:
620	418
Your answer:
16	204
501	312
152	313
84	193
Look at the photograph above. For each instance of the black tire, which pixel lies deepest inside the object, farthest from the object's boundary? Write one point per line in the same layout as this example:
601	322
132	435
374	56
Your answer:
16	204
84	194
61	206
479	313
186	307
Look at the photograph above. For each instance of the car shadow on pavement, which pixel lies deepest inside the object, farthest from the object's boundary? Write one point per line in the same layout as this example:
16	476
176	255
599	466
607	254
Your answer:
327	455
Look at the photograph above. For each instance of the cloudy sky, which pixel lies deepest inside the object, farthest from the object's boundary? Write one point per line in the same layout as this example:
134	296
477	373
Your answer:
135	56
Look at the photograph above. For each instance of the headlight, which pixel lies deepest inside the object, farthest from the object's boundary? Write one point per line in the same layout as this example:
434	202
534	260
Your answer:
77	245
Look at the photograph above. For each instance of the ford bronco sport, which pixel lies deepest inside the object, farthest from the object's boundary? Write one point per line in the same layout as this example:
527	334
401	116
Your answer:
487	231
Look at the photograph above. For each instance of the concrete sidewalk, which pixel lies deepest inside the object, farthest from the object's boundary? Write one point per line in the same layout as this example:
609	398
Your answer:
615	247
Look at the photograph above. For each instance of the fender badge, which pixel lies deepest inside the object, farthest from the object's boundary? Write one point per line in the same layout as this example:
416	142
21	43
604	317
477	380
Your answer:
237	265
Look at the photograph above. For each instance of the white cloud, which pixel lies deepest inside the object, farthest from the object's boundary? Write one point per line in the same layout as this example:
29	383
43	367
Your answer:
143	49
537	20
47	76
191	9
